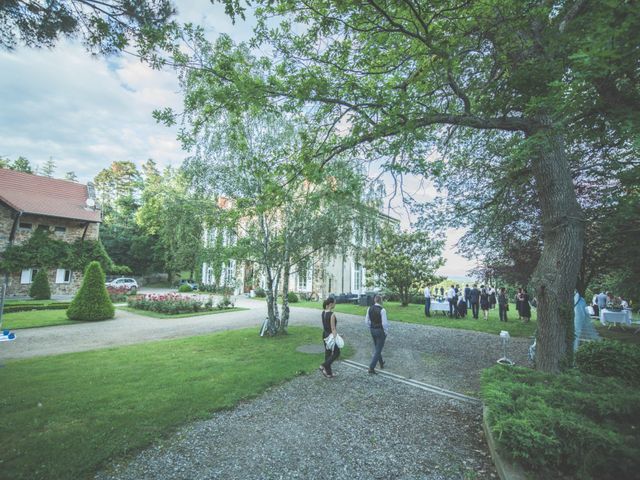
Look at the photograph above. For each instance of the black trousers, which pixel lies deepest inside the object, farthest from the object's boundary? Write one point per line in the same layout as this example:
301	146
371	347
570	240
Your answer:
330	356
427	306
475	307
502	311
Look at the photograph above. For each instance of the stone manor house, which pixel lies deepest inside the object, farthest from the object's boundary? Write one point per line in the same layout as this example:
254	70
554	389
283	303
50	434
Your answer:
29	203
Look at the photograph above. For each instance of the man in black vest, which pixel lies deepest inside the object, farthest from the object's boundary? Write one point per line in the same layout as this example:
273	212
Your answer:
377	322
474	299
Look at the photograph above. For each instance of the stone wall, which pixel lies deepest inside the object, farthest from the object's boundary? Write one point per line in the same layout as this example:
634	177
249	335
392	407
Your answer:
74	229
17	289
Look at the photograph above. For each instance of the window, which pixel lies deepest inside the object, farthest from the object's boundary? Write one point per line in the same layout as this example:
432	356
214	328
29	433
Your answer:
63	276
60	230
43	228
358	277
25	226
28	275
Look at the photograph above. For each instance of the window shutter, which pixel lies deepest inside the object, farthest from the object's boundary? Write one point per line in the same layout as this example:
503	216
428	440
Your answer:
25	276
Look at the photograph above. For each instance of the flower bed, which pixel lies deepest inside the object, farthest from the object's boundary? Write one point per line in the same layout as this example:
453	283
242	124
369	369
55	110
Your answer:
120	294
170	303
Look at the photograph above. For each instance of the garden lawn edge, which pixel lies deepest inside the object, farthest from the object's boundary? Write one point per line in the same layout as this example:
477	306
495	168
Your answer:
507	468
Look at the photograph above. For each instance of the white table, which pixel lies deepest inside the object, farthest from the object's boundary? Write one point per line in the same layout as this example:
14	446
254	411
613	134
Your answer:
608	316
440	306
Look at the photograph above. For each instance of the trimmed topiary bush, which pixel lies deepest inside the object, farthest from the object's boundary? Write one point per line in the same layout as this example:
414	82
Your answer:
184	288
92	302
609	358
292	297
40	289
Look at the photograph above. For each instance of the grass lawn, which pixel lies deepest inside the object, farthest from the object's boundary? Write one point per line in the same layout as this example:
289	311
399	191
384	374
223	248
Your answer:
149	313
35	318
415	314
65	416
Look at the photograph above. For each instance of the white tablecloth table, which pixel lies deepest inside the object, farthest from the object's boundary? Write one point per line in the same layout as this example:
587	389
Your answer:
608	316
439	306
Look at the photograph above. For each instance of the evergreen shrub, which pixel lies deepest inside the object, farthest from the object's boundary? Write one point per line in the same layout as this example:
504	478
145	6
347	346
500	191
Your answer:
571	425
40	289
292	297
92	302
184	288
610	358
260	293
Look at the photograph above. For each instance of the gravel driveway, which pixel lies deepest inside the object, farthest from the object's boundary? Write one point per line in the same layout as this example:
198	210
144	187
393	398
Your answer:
356	426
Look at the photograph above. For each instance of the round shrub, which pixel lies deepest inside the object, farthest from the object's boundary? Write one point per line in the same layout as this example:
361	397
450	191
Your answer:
292	297
92	302
40	289
260	293
610	358
184	288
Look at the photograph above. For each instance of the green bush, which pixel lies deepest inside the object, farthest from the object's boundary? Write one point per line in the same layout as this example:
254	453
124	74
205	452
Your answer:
92	302
610	358
40	289
571	425
292	297
184	288
34	306
260	293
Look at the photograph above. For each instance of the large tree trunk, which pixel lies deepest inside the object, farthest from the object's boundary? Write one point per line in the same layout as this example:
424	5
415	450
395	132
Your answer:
554	278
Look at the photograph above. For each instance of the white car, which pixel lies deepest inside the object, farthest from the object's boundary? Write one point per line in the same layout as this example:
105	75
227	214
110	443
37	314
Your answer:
128	283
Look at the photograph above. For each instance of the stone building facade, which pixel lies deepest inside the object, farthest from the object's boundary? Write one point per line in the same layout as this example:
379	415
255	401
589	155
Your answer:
29	203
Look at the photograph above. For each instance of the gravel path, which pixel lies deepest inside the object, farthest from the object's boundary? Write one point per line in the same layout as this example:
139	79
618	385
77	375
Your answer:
356	426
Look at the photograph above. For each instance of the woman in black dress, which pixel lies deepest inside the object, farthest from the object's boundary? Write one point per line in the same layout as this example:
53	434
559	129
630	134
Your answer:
329	323
525	307
519	298
484	302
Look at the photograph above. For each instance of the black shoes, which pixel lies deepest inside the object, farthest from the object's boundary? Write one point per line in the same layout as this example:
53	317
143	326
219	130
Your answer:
381	365
372	371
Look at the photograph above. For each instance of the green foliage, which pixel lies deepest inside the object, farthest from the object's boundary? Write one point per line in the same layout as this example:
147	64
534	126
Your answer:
184	288
292	297
575	425
260	293
12	308
404	261
609	358
92	302
170	303
42	250
40	289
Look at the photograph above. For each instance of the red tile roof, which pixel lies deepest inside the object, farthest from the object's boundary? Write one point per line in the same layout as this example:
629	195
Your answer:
45	196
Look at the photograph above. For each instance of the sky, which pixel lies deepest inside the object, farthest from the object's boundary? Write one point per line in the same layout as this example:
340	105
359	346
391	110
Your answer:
85	111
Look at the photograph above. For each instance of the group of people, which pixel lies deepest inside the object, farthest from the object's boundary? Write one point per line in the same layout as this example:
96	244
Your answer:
608	301
375	319
476	299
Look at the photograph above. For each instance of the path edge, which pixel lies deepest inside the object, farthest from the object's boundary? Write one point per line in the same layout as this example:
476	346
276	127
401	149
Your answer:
506	467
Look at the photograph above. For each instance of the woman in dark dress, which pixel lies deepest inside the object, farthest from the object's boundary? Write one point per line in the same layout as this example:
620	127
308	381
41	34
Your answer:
329	323
525	307
484	302
519	298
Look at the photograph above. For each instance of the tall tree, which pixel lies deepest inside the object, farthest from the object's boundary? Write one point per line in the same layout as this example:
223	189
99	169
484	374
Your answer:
71	176
405	74
405	261
105	26
49	168
21	164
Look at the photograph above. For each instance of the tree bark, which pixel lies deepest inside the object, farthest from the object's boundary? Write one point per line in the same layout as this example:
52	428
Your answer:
284	318
555	276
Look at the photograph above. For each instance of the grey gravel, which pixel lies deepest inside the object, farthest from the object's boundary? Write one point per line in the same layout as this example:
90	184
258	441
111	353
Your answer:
355	426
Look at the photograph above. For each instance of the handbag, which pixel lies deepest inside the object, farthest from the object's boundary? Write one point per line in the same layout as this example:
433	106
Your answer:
331	342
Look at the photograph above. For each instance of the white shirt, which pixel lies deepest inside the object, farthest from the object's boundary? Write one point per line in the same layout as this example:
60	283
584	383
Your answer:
385	322
427	294
451	293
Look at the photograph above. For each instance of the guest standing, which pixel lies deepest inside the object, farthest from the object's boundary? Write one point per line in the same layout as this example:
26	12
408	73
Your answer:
378	324
329	323
467	291
503	305
427	301
474	299
492	297
451	297
484	302
519	298
525	307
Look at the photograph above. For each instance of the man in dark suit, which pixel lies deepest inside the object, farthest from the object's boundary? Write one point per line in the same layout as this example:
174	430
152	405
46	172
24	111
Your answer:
474	299
467	291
